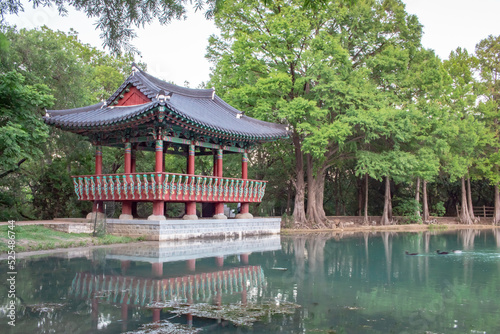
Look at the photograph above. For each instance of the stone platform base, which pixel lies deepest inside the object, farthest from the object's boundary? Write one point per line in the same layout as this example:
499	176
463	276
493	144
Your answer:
189	229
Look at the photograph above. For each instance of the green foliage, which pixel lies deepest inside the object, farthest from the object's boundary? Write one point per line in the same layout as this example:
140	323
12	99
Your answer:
21	128
488	53
407	208
53	193
287	221
35	161
60	61
318	71
438	209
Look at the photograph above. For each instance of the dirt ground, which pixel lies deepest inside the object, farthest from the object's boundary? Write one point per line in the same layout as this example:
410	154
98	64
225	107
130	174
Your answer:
355	224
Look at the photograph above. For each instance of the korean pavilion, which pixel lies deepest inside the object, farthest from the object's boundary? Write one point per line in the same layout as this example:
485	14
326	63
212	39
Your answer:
146	113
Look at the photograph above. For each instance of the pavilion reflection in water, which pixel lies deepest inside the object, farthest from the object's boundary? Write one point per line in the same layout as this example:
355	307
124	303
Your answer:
189	285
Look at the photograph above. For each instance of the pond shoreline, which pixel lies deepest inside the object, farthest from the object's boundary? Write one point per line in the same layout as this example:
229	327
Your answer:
442	226
392	228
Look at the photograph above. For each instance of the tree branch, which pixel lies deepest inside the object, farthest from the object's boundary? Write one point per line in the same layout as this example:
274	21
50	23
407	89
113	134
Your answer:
14	169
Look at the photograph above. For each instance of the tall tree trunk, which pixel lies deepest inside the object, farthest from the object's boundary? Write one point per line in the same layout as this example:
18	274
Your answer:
469	200
390	202
337	193
425	203
315	187
417	197
299	212
386	220
496	215
320	196
289	200
464	211
360	190
365	220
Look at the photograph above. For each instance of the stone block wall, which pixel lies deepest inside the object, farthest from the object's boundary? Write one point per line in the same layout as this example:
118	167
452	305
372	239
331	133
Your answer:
185	229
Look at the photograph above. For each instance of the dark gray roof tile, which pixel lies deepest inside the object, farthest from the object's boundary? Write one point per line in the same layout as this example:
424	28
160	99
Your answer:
199	106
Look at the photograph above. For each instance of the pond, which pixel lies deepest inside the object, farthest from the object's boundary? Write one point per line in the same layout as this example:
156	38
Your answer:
311	283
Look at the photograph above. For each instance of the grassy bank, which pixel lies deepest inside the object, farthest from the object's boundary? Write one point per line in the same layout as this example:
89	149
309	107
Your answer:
37	237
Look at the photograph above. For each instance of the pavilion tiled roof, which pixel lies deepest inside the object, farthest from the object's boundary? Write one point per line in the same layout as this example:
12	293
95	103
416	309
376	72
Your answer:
200	107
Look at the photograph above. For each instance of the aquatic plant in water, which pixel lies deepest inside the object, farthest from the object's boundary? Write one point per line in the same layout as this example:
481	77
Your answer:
239	314
165	327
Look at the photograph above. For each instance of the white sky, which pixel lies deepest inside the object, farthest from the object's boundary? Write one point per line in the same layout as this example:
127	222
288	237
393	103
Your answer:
176	52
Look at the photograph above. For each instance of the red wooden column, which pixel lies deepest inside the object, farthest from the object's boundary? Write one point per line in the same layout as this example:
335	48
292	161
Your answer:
156	314
219	207
157	269
124	309
191	265
190	206
95	311
245	207
127	205
98	205
133	170
125	265
158	205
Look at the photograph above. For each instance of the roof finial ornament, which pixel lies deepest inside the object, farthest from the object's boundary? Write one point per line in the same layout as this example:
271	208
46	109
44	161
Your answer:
162	96
240	114
213	93
135	68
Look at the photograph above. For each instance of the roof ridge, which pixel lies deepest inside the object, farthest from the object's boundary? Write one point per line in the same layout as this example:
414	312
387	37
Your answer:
185	91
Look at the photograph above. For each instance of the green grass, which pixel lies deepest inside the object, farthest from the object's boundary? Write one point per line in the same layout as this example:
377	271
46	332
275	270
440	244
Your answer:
435	227
37	237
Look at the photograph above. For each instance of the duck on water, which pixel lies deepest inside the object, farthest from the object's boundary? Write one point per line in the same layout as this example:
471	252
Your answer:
406	252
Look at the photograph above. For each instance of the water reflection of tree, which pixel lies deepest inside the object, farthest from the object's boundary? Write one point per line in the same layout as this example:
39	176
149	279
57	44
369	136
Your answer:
338	287
496	235
468	236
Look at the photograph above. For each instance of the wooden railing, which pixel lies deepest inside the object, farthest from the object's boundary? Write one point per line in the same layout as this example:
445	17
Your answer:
169	187
143	291
481	211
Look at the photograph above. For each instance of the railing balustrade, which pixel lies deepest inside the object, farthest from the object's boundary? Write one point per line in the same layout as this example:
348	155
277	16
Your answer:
170	187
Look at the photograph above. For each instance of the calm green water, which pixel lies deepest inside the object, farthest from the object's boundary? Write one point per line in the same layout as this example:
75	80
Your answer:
356	283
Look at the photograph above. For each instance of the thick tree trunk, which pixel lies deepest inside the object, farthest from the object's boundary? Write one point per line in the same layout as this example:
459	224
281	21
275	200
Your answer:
425	203
469	201
299	212
464	211
386	215
365	220
316	217
496	215
417	196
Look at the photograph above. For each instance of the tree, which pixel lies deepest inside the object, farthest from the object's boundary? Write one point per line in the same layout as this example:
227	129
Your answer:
309	69
21	128
116	18
75	74
22	132
488	54
60	61
462	99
